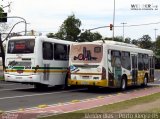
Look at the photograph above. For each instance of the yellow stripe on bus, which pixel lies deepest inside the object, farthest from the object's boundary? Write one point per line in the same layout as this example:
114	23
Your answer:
38	71
87	73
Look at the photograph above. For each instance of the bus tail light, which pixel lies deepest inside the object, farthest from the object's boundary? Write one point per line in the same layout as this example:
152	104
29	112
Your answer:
103	73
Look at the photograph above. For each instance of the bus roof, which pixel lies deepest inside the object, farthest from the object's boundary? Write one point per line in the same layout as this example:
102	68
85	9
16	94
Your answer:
41	37
116	43
119	46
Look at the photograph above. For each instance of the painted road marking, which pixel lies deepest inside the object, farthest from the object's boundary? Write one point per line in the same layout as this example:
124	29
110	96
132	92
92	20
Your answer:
68	103
7	84
37	94
42	106
16	89
35	109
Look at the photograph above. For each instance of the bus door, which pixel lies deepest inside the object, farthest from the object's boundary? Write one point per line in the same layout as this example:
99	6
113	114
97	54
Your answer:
151	69
134	68
116	66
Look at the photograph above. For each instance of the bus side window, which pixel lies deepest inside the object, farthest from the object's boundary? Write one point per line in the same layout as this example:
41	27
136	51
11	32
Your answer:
60	52
140	62
146	62
126	62
116	58
47	51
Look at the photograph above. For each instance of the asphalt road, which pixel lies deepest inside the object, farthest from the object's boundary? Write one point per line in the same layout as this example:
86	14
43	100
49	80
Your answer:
17	96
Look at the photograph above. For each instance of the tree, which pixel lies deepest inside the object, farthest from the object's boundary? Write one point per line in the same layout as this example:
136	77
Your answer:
127	40
145	42
107	38
51	35
1	10
89	36
3	26
118	38
157	46
135	42
69	30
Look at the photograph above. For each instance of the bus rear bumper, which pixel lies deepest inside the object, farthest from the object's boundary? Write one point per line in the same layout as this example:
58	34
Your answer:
98	83
22	79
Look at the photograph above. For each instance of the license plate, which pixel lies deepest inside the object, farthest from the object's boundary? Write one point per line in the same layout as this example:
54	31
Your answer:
85	77
18	77
85	83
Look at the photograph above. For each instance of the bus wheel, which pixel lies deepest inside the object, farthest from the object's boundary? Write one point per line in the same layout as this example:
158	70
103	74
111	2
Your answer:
123	84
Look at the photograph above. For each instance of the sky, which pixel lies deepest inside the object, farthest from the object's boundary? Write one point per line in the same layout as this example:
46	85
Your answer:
47	16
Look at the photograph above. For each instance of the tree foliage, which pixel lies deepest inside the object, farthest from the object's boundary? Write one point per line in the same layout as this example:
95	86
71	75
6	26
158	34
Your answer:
89	36
69	30
127	40
135	42
1	10
145	42
157	46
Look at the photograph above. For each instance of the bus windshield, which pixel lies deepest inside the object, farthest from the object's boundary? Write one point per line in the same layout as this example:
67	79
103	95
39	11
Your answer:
23	46
86	53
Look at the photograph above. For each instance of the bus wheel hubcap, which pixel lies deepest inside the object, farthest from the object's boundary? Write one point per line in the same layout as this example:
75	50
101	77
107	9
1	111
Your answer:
123	84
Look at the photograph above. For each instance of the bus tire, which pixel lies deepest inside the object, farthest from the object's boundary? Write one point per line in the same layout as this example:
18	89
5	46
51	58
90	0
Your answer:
123	84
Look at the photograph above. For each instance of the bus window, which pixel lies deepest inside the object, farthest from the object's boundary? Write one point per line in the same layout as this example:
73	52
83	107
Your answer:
140	62
126	62
146	62
87	53
116	58
47	51
61	52
21	46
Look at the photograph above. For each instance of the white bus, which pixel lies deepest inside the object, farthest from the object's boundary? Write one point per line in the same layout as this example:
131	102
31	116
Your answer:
110	64
37	60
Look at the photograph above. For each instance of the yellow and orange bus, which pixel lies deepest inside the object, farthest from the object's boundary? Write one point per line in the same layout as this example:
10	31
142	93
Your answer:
110	64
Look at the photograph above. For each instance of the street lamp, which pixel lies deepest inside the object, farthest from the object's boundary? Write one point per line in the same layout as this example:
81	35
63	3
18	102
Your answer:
11	30
123	29
19	18
1	45
16	17
23	20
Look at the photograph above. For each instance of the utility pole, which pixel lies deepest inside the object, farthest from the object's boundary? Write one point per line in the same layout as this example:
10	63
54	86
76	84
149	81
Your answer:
123	29
155	33
113	19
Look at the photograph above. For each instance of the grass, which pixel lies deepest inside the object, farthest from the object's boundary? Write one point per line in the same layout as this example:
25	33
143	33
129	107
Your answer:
109	108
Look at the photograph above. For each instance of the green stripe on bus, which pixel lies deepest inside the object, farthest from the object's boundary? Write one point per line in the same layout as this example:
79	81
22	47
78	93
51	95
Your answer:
49	68
61	68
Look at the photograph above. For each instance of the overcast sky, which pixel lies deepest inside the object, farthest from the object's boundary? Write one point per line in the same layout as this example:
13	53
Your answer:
47	15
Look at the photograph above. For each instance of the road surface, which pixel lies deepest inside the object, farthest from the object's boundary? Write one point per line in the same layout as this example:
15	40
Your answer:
18	96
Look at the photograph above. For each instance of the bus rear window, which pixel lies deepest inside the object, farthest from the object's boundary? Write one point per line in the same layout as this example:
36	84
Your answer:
88	53
21	46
